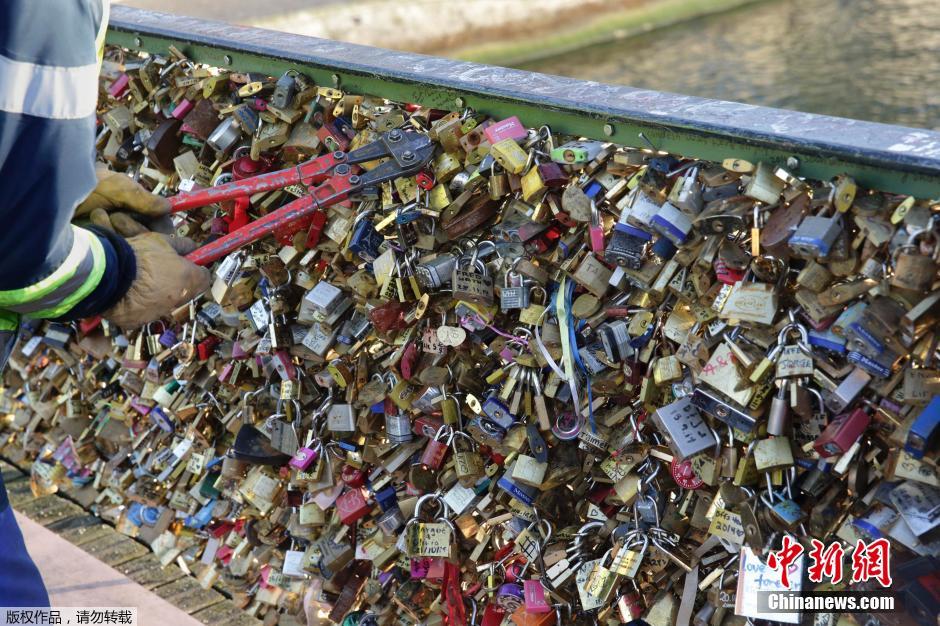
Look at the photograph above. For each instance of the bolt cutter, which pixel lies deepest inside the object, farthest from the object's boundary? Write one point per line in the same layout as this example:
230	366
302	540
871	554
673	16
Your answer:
334	180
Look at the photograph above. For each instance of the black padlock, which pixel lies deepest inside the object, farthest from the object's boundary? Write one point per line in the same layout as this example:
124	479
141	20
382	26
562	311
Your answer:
284	90
626	246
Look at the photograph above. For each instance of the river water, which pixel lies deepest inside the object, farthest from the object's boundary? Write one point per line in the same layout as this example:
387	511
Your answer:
874	60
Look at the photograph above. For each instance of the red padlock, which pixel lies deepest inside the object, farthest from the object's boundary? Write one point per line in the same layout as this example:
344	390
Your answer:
245	167
206	347
453	598
352	506
89	324
436	450
514	570
352	476
492	615
841	433
239	216
409	359
333	137
425	180
224	554
317	222
426	426
630	606
565	220
389	317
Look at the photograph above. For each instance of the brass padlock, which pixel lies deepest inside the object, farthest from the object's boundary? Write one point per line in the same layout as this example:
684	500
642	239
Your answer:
468	463
913	270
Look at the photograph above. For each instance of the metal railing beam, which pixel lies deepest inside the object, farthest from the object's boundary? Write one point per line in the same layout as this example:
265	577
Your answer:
880	156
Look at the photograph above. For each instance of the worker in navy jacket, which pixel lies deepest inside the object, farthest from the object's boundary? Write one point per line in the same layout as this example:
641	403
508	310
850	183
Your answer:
50	55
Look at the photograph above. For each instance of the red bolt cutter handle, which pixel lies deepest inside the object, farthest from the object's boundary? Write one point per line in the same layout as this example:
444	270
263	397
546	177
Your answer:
283	222
309	173
409	151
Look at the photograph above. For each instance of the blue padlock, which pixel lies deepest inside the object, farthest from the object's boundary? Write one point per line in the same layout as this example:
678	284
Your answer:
366	241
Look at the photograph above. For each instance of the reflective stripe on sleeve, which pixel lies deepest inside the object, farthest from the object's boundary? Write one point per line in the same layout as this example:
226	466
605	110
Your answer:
9	321
74	279
61	93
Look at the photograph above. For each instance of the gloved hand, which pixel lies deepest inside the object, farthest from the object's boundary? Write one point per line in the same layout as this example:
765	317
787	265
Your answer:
116	193
164	280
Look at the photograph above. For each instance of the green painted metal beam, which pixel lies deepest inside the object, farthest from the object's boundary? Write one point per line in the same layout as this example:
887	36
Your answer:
879	156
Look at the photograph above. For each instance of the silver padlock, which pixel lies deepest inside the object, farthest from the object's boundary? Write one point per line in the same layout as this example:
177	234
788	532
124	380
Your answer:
225	135
616	340
318	339
341	418
323	299
398	428
391	521
672	223
284	90
514	294
684	427
437	272
354	329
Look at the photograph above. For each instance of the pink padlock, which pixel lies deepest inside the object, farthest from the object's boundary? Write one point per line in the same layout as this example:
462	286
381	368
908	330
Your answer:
284	365
182	109
303	458
509	128
534	594
630	606
120	86
436	570
725	274
420	567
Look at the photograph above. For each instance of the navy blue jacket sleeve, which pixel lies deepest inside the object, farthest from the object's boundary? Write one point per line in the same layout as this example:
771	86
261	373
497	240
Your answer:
48	72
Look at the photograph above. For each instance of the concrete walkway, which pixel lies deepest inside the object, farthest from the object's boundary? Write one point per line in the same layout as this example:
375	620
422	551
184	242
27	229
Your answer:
75	578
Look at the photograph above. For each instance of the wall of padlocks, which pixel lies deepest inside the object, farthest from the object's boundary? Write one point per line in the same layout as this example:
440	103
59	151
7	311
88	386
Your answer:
455	370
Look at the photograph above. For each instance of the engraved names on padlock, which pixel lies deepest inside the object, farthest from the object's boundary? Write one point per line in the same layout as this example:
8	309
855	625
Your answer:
428	539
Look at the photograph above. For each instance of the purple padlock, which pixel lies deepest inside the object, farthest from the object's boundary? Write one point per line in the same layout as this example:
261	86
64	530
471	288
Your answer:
168	338
509	597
